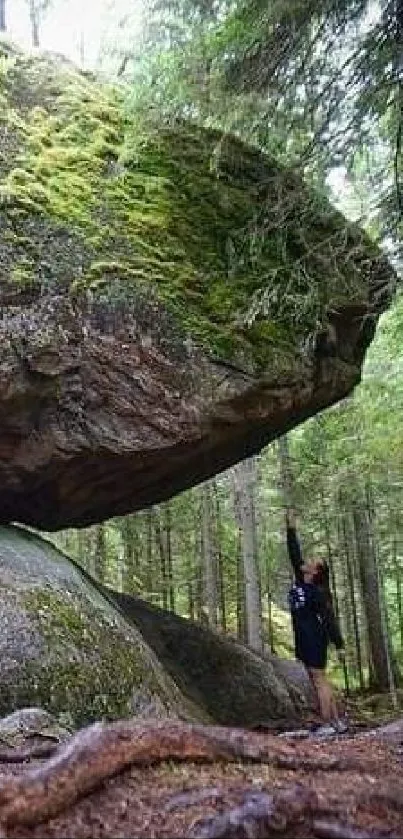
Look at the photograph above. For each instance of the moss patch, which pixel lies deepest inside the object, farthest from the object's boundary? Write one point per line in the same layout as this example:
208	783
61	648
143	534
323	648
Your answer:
86	670
244	258
67	649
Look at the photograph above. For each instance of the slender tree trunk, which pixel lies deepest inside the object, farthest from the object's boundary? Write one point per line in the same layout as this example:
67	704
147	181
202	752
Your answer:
82	48
149	584
379	652
330	562
100	554
168	543
350	580
287	482
163	560
84	553
3	26
130	538
220	560
398	581
269	605
240	595
245	485
286	473
198	560
34	22
191	600
210	594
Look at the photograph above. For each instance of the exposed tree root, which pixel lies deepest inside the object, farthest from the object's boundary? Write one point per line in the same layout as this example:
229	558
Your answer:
182	800
22	753
341	830
261	815
102	750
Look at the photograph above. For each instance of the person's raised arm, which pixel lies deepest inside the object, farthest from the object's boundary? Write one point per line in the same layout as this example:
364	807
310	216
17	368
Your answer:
293	546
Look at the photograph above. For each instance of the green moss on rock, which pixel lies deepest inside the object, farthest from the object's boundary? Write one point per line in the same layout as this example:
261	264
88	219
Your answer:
241	254
66	649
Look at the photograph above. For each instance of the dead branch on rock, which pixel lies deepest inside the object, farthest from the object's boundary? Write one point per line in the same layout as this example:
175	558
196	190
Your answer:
102	750
259	816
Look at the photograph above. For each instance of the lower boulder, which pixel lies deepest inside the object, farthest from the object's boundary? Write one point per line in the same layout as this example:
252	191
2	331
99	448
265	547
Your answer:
64	647
83	652
231	682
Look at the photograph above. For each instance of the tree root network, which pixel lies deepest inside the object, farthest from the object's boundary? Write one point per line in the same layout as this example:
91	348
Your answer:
101	751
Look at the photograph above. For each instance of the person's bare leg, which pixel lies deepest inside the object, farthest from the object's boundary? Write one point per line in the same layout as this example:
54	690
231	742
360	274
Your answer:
315	690
324	692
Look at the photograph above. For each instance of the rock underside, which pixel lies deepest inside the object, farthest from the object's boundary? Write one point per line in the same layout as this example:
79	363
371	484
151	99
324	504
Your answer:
171	300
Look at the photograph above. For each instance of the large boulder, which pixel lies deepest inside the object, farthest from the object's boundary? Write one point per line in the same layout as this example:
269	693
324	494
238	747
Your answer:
82	651
171	300
65	648
231	682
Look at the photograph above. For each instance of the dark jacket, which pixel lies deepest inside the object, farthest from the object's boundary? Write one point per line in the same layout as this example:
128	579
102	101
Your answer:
311	603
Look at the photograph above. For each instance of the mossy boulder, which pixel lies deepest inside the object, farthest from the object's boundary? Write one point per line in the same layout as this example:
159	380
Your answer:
81	652
231	682
66	649
171	299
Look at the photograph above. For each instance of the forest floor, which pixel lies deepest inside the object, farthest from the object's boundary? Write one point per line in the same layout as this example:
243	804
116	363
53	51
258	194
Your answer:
204	782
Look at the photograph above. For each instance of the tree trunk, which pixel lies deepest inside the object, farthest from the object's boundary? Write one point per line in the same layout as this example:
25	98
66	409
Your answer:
220	560
351	588
163	561
269	606
330	562
34	22
149	575
245	476
3	27
81	49
399	602
240	595
378	644
169	566
287	482
210	594
100	553
129	537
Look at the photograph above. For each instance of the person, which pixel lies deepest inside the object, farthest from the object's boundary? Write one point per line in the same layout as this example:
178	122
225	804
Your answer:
315	626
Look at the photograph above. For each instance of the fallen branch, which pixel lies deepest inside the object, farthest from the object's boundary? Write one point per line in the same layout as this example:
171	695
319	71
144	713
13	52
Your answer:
315	764
22	753
259	816
340	830
102	750
383	799
182	800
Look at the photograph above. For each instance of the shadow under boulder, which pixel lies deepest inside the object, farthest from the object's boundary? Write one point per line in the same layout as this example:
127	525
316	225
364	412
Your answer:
232	683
